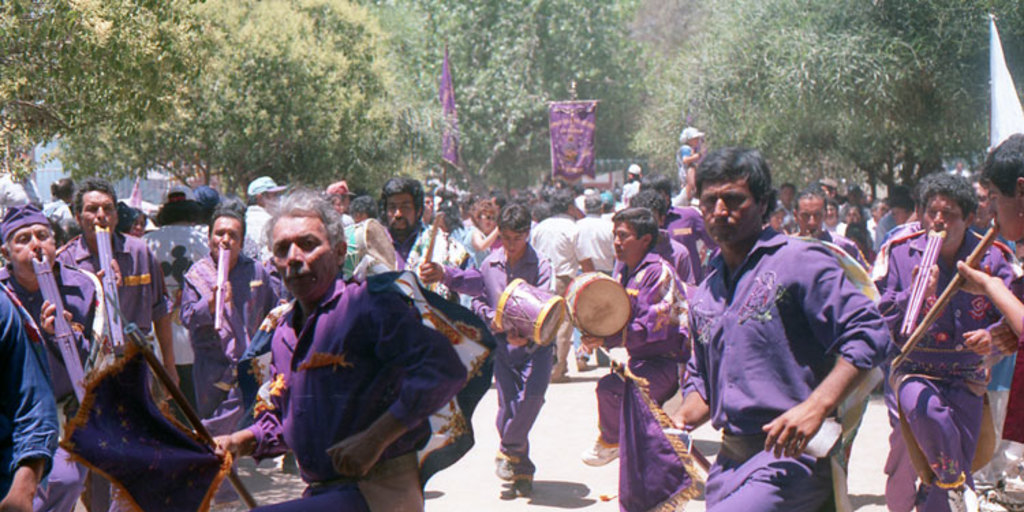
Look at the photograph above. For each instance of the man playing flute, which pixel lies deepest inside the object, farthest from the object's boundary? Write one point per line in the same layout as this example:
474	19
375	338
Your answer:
26	233
780	336
939	389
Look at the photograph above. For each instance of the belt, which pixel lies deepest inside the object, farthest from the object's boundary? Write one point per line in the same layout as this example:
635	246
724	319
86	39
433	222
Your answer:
741	448
382	469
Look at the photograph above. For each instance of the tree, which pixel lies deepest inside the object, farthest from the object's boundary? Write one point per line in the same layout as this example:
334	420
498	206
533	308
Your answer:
65	64
299	90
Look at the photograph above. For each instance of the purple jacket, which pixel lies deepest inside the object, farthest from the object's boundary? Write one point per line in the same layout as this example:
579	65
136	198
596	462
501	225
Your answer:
676	255
686	226
657	326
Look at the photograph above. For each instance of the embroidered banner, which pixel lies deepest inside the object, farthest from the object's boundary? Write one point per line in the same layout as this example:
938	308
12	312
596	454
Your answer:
572	138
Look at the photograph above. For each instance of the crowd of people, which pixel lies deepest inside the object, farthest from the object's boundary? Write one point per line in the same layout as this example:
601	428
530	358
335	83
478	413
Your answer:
741	298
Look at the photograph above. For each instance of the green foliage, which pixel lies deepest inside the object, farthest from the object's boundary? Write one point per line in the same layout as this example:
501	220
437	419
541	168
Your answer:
299	90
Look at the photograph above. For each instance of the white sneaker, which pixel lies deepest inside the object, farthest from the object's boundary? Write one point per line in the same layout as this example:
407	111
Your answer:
963	499
600	454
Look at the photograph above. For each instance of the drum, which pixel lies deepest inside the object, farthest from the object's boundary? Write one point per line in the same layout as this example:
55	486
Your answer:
598	305
369	249
529	312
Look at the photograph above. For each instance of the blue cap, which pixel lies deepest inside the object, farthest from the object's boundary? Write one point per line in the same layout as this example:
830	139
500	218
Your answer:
207	197
18	217
262	185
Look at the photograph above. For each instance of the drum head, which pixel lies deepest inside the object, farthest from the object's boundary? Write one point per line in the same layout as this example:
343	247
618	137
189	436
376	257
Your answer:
601	307
378	244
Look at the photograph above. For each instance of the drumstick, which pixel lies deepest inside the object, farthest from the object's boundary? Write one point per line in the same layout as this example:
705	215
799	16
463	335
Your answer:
62	331
931	254
943	300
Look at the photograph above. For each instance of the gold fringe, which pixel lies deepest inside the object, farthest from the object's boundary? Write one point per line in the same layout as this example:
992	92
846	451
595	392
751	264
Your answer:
954	485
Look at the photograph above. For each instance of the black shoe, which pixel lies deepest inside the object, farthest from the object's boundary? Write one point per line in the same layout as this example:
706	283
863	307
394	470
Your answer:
523	487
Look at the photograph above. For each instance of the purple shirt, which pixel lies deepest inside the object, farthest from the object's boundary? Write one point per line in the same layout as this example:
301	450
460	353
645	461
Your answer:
686	226
359	355
487	283
657	323
941	352
142	293
676	255
79	295
766	337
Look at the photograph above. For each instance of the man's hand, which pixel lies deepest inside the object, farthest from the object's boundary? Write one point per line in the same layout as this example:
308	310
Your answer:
48	317
931	286
431	272
1004	339
979	341
355	455
238	443
590	343
23	487
976	282
789	434
227	298
117	272
516	341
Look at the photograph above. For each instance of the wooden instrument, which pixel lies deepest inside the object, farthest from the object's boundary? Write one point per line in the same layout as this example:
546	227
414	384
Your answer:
223	261
105	247
62	330
931	255
529	312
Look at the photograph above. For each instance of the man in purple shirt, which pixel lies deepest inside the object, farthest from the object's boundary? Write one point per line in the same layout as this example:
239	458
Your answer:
249	297
522	369
810	216
674	252
141	291
684	224
355	374
656	335
26	232
940	387
776	343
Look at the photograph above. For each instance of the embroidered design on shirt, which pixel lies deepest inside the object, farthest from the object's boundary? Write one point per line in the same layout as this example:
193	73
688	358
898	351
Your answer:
761	299
979	308
320	360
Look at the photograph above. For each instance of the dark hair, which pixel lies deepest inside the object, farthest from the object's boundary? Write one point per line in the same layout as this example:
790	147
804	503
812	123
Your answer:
63	189
92	185
514	217
451	221
126	217
229	207
900	197
652	200
811	192
396	186
560	201
858	233
953	186
540	211
659	183
787	185
734	164
1005	164
179	211
363	205
641	220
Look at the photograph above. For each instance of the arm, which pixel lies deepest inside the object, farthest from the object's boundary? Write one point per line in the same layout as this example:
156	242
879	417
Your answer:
587	265
481	242
980	283
356	454
165	338
23	488
693	413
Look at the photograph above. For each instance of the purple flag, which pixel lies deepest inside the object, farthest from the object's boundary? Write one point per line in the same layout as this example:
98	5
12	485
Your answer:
120	433
572	138
450	128
655	467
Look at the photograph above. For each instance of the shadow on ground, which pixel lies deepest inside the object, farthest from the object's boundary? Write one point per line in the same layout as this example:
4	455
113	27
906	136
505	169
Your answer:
548	493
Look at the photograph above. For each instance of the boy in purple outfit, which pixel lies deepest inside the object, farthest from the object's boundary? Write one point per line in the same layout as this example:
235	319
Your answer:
776	345
656	335
250	297
26	231
941	386
355	374
810	216
522	369
684	224
674	252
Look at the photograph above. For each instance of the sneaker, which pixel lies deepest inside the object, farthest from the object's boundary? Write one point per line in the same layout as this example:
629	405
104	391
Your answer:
600	454
963	499
503	469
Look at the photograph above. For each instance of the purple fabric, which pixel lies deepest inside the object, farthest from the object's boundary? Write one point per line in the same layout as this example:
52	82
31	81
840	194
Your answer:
124	435
142	292
572	138
663	379
686	226
651	472
450	117
677	255
18	217
764	483
331	499
650	332
79	296
217	351
767	336
901	481
370	354
63	487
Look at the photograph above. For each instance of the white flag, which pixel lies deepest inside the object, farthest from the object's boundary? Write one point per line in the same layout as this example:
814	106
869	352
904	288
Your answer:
1007	116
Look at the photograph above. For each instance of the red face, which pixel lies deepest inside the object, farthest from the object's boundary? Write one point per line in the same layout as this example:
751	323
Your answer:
628	248
303	255
731	214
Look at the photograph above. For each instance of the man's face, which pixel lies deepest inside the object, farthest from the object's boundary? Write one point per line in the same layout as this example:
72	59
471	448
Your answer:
24	244
942	213
340	203
831	214
98	210
428	209
226	234
731	214
810	213
303	255
514	242
1006	208
900	215
786	195
628	248
985	208
402	215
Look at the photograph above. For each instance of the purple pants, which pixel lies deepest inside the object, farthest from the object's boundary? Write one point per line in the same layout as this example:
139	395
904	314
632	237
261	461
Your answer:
521	375
663	376
764	483
63	487
901	484
945	419
332	499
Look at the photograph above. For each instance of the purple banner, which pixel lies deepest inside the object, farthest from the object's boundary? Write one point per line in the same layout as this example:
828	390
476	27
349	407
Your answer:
572	138
450	118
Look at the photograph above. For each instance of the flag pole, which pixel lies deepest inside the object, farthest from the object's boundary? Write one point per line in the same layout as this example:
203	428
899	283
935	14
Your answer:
437	219
133	333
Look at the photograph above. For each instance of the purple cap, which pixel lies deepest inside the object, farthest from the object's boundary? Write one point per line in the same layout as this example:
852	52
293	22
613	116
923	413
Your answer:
18	217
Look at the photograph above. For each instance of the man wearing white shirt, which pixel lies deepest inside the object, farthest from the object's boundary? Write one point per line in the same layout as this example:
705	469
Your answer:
594	245
556	237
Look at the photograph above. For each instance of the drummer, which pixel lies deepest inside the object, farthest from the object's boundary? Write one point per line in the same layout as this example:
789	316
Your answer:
674	252
656	335
521	369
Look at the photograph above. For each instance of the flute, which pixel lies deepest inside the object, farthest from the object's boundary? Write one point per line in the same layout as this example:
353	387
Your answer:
223	260
62	330
931	255
104	245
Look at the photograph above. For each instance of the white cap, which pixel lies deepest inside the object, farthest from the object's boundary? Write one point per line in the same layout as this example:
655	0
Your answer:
690	133
634	169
